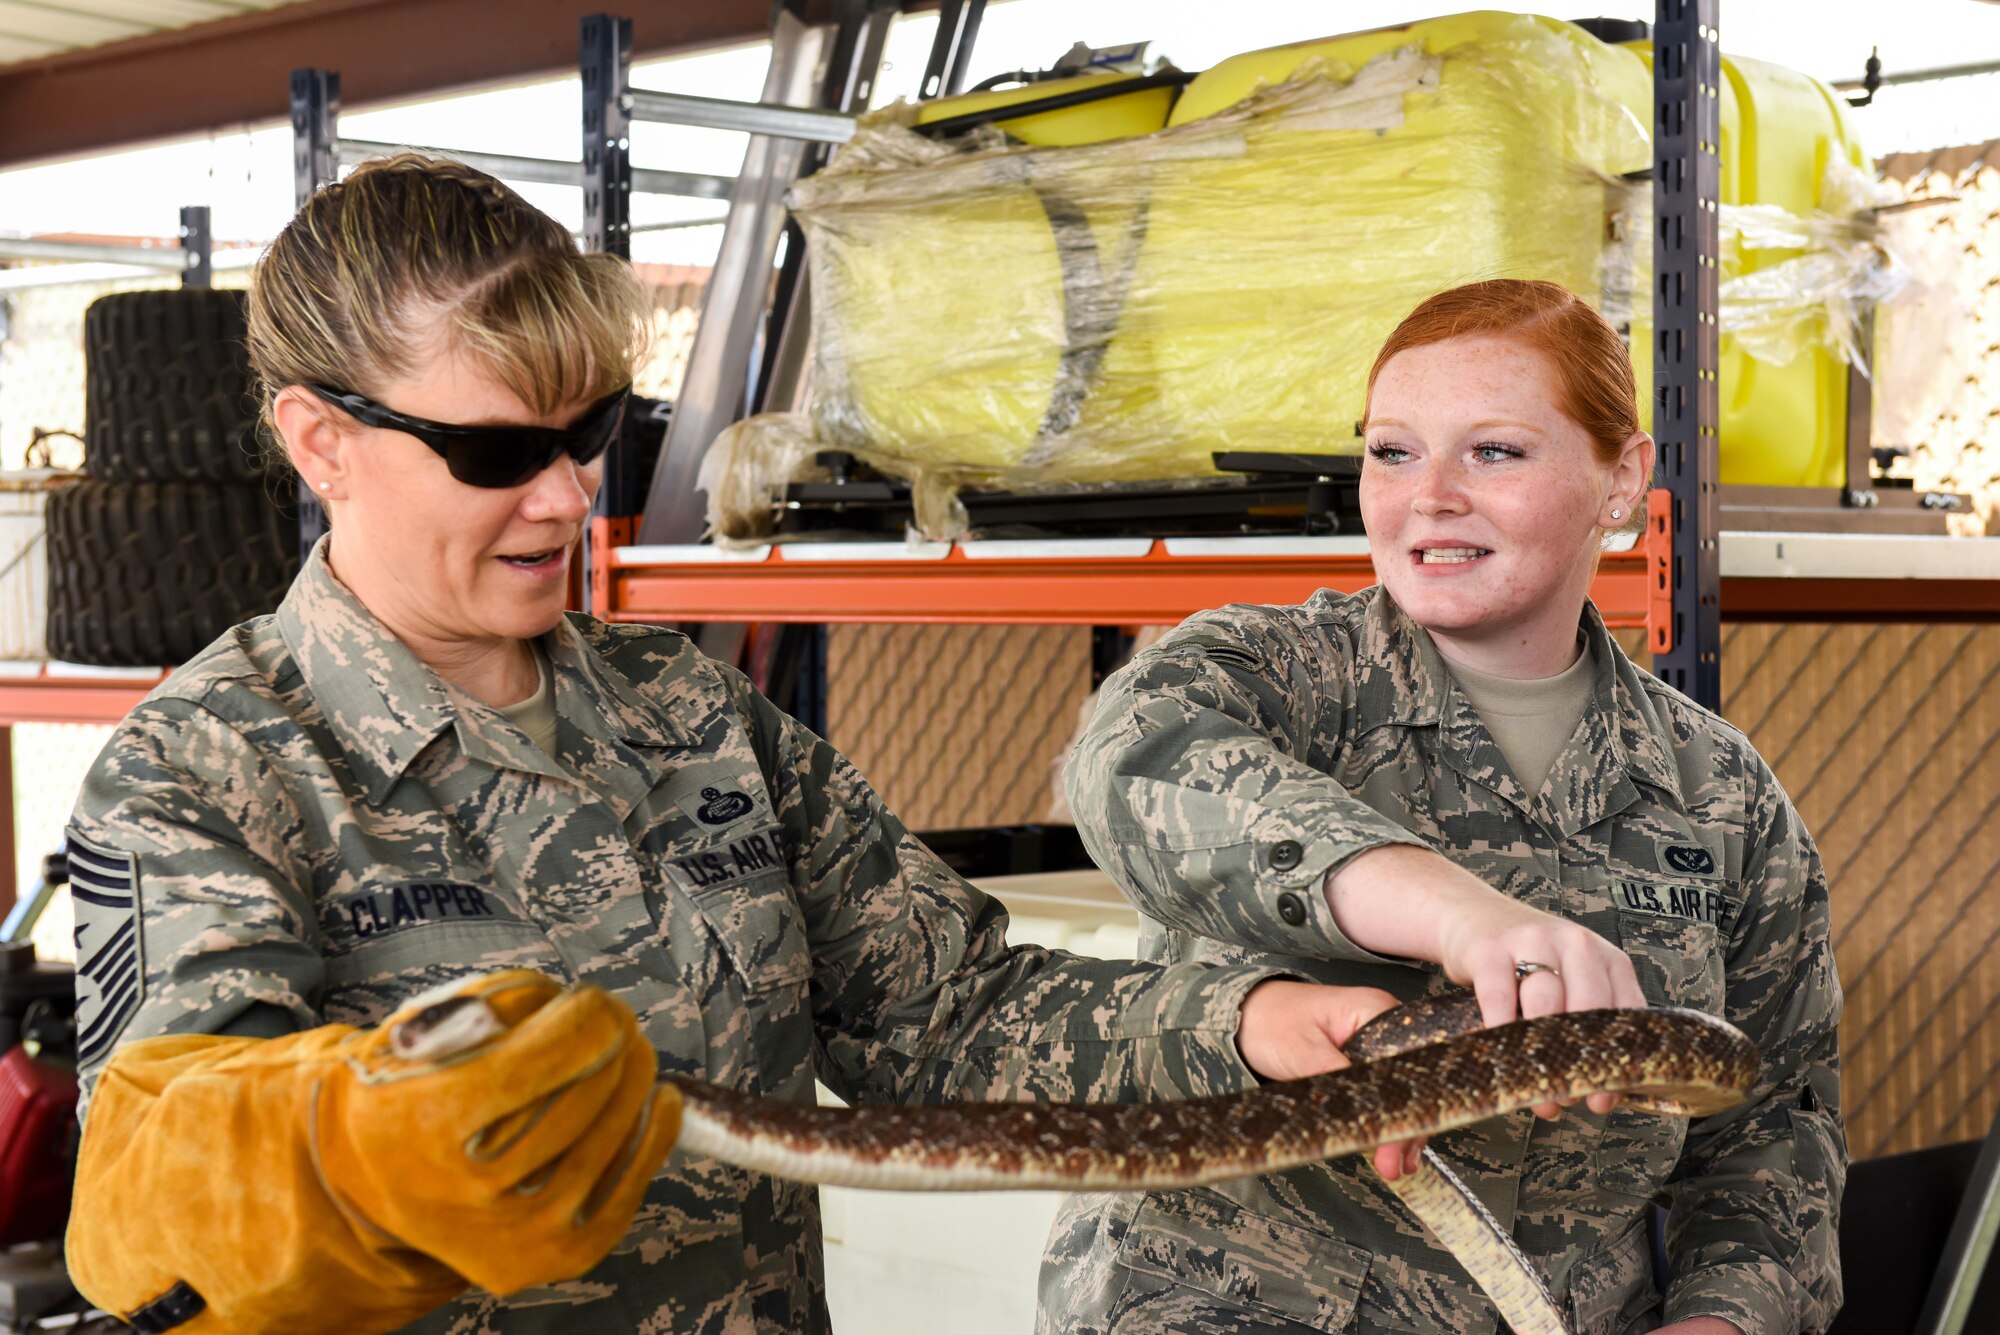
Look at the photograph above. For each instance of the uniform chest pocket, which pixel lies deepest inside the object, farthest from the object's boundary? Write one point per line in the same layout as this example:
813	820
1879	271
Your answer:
1678	960
757	922
1679	963
1233	1270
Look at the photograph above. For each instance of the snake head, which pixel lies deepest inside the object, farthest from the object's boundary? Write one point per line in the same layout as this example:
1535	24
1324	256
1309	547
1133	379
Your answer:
1415	1024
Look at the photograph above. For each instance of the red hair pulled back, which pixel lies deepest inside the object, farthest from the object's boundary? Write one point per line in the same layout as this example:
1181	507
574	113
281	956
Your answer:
1593	370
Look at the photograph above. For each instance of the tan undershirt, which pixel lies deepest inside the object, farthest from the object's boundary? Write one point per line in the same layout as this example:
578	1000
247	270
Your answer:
536	715
1531	720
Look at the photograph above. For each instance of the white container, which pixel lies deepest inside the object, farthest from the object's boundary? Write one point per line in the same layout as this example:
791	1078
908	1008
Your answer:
896	1262
24	561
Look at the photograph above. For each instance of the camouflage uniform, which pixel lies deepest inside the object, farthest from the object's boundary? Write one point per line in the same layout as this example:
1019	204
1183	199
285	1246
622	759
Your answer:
306	825
1255	750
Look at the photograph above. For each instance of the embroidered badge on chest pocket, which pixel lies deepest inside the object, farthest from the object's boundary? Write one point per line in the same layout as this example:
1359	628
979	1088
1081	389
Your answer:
720	805
1685	859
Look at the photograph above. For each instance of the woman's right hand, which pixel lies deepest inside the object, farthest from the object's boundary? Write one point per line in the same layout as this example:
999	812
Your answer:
1408	901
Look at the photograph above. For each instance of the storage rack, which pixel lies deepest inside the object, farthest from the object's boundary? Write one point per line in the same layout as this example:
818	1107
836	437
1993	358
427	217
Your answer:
647	563
57	692
192	257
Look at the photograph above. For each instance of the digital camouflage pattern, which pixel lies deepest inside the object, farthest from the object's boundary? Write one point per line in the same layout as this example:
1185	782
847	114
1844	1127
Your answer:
1232	767
313	827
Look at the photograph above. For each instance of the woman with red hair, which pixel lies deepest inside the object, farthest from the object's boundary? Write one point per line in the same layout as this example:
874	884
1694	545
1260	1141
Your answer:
1343	787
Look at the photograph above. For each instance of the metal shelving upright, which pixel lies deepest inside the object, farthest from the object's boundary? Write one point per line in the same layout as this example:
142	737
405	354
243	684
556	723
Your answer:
191	256
1687	339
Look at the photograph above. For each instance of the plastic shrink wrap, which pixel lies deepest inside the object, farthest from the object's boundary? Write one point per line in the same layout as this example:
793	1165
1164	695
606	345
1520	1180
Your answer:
1003	314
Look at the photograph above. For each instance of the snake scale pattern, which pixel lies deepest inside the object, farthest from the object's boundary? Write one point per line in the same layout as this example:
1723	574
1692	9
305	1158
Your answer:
1672	1060
1422	1069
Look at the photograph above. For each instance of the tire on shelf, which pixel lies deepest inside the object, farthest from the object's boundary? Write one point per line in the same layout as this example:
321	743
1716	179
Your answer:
167	388
146	574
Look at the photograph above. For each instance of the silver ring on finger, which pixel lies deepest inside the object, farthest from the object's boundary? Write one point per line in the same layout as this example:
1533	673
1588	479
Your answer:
1522	968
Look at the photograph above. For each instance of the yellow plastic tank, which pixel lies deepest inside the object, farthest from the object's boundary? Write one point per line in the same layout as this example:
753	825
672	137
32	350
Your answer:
1780	425
942	318
1152	280
1269	278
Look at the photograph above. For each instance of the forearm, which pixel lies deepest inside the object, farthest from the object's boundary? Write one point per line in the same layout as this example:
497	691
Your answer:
1752	1228
1750	1298
1392	900
1025	1023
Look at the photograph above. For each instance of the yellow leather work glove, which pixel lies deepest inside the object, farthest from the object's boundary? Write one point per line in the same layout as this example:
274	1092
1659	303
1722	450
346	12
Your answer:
501	1131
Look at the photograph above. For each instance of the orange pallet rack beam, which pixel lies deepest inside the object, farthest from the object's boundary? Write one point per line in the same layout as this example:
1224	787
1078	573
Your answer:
1112	582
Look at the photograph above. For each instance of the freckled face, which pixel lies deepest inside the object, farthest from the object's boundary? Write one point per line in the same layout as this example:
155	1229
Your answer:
1481	497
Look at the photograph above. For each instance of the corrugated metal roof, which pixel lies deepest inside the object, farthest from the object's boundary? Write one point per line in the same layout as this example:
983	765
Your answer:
30	29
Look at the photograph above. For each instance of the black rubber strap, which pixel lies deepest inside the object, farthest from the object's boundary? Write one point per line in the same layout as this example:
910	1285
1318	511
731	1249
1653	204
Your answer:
176	1307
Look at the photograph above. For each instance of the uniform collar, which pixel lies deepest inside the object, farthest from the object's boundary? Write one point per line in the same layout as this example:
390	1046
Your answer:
379	700
385	707
1402	680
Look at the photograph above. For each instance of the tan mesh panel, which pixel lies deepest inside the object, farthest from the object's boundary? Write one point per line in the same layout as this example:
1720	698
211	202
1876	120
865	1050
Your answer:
957	725
1888	739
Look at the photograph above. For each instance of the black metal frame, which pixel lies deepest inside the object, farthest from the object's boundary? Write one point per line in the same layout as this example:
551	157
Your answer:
198	240
951	49
607	135
1687	192
1272	494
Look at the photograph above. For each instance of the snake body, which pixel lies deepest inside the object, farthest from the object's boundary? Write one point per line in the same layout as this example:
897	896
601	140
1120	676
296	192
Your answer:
1422	1069
1673	1060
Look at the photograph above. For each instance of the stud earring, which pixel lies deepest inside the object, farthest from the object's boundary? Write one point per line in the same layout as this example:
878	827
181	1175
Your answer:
326	486
1615	514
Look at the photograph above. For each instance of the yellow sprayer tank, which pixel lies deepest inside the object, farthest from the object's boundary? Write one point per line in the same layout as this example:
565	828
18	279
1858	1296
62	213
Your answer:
1120	293
940	306
1782	425
1269	279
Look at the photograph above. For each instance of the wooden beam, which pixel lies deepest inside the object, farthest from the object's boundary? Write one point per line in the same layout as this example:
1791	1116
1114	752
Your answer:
233	72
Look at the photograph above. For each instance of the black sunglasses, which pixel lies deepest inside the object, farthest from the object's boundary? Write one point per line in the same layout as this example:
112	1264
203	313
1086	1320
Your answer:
493	456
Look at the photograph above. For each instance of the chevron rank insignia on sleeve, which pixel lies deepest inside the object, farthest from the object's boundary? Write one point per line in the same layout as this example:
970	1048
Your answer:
110	966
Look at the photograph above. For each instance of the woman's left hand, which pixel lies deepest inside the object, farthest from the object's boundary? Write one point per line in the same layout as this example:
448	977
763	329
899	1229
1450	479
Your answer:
1291	1030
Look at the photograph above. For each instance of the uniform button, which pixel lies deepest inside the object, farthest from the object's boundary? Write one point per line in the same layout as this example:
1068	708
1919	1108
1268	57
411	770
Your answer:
1291	908
1285	854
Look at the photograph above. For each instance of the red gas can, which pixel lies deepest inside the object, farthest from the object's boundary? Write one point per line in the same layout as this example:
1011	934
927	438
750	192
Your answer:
37	1112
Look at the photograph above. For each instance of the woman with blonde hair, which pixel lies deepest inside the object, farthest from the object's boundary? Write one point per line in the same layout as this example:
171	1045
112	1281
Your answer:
1338	788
